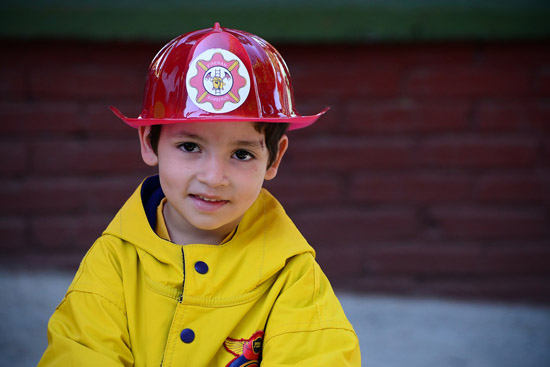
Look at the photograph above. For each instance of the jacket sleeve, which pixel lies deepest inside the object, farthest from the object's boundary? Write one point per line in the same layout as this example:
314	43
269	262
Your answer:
89	327
307	325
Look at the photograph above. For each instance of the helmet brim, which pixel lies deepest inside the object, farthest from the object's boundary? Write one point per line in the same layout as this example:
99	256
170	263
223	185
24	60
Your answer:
295	122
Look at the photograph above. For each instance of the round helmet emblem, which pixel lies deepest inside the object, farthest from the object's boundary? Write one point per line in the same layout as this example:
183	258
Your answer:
217	81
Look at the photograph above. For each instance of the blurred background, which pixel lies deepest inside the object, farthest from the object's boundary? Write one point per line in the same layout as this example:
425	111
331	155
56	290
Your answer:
429	178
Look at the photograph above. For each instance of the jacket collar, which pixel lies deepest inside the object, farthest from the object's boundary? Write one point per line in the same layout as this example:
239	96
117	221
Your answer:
264	241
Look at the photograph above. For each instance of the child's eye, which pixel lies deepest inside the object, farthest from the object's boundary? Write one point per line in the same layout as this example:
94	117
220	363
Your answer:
243	155
190	147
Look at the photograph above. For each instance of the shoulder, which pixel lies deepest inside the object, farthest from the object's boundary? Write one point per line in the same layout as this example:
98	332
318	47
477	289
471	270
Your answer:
101	270
107	256
307	314
308	291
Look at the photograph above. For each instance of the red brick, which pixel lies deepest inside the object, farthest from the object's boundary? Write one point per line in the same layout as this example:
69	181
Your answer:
520	259
505	288
56	53
356	57
541	114
423	260
501	288
542	82
508	188
41	196
397	229
38	117
13	234
374	283
331	122
13	84
418	54
75	157
341	262
377	55
492	223
477	152
520	54
67	232
350	154
295	191
76	83
137	55
339	226
511	116
109	194
66	195
298	57
345	79
15	156
66	260
468	82
98	118
546	152
405	116
410	188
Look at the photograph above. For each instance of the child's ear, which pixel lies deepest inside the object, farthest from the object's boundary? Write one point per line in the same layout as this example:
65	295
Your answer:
272	170
147	152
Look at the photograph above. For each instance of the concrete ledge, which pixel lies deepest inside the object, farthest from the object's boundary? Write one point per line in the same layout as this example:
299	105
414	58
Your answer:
393	332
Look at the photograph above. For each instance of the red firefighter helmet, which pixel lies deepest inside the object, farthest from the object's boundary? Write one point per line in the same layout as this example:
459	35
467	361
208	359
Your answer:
218	74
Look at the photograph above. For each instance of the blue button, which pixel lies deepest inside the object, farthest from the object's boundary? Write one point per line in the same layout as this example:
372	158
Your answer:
201	267
187	336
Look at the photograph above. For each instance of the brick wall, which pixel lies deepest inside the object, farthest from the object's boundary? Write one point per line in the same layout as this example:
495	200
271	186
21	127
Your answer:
429	176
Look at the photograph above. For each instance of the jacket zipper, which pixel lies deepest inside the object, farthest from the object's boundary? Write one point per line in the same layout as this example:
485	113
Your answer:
183	281
180	298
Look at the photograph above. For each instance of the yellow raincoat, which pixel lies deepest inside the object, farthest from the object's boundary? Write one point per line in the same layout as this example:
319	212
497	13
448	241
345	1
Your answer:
139	300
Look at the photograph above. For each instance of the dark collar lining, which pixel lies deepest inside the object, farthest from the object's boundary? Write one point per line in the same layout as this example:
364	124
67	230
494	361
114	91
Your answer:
151	196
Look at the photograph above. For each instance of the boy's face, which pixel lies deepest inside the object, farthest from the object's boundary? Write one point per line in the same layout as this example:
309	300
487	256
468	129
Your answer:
210	172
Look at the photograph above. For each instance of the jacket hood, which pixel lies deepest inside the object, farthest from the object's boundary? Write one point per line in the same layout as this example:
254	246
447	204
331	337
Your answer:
265	240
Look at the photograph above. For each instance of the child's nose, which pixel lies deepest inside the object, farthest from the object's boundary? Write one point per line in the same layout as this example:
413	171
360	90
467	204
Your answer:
212	172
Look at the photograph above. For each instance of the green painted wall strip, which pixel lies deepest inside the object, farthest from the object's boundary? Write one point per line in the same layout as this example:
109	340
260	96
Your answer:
283	20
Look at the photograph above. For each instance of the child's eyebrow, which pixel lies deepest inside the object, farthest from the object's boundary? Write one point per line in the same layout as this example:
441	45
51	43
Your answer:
250	143
185	134
239	143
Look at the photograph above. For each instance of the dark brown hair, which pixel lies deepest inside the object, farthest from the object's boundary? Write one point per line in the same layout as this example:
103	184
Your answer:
273	132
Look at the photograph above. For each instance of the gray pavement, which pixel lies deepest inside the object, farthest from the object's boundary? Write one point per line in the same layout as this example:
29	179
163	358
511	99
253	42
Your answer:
393	331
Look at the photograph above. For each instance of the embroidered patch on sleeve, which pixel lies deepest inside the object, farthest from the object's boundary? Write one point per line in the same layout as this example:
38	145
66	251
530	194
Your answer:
247	352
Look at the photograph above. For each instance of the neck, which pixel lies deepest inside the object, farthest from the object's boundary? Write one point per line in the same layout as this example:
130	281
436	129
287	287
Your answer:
185	234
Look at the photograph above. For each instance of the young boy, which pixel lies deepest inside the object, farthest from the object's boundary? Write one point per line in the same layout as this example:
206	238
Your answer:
201	266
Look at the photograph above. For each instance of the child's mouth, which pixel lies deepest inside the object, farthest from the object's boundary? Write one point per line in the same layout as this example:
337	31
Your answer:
207	203
208	199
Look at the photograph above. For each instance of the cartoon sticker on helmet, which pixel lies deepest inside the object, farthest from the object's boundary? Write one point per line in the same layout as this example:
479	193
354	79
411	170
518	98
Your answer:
217	81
